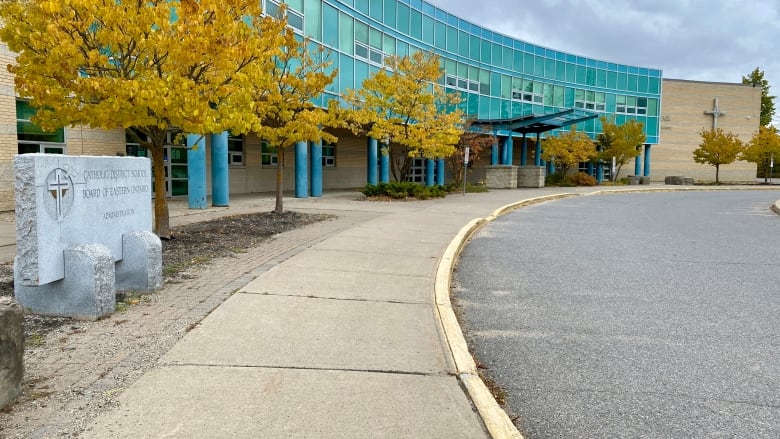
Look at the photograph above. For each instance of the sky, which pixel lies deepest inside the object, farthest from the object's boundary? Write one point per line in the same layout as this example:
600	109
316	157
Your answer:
715	40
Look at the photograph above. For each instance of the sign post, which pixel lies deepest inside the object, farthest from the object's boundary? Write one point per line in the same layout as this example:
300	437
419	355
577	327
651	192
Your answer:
465	168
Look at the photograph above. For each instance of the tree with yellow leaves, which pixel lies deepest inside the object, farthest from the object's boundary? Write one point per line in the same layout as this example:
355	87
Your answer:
718	148
620	142
763	149
568	149
284	110
403	105
152	65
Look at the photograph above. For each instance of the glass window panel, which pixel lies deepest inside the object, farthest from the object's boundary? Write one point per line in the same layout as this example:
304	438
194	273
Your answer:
548	94
440	38
506	87
452	39
538	87
388	44
571	73
361	73
654	85
295	21
464	43
590	75
473	73
375	38
560	70
568	97
295	4
549	68
389	17
622	83
314	19
330	25
376	57
495	84
528	63
486	51
362	6
631	82
463	70
651	127
361	32
346	73
612	79
620	100
361	51
518	60
642	84
402	48
496	54
652	107
427	28
558	96
375	9
631	101
346	36
415	24
403	18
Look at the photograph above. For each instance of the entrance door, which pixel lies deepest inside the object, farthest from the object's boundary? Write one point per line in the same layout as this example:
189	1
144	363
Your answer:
175	171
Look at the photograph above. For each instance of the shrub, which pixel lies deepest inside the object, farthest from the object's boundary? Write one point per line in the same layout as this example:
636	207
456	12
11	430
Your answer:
583	179
404	189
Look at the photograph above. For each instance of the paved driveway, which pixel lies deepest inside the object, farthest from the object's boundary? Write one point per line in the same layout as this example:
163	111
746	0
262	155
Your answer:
632	315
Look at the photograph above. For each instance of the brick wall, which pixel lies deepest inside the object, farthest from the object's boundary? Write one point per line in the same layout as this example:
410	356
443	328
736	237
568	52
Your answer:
683	116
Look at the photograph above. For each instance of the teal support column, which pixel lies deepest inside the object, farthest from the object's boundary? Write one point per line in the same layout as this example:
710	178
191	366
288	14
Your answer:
316	169
220	177
538	152
550	168
591	169
494	152
638	163
301	170
524	152
196	171
440	171
384	164
599	173
371	161
510	145
502	146
429	172
647	161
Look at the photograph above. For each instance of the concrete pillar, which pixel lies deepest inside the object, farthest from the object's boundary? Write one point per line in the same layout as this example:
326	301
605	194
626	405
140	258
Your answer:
647	160
301	169
440	171
384	164
371	161
196	171
12	354
220	177
316	169
429	172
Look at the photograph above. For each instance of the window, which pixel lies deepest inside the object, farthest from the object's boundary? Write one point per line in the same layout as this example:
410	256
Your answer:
31	138
461	83
416	171
373	56
328	155
527	96
630	105
268	155
590	100
294	18
235	150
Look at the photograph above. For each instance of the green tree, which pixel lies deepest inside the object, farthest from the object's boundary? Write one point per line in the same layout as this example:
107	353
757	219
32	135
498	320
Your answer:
763	149
718	148
404	106
756	77
568	149
620	141
283	107
151	65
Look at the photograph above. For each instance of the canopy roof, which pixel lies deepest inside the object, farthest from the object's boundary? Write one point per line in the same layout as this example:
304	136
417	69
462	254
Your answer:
532	123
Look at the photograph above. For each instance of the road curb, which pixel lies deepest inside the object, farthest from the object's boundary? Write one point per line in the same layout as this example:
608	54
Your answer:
496	420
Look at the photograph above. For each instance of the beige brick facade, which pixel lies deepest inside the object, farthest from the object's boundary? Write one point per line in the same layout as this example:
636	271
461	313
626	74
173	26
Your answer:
683	106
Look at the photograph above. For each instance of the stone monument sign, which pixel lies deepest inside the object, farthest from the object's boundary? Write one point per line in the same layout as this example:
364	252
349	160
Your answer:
83	223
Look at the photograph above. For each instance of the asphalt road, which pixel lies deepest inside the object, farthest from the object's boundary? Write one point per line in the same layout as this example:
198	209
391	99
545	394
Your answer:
652	315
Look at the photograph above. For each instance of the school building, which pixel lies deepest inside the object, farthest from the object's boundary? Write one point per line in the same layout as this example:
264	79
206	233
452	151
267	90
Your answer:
526	92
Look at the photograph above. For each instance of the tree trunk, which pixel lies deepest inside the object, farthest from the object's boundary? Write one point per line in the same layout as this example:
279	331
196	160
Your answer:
161	219
279	180
717	171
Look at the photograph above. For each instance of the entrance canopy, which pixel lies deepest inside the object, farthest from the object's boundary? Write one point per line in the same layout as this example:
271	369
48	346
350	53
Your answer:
532	123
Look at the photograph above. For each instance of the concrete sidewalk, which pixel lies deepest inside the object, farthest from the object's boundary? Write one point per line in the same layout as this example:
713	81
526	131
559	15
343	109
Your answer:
344	339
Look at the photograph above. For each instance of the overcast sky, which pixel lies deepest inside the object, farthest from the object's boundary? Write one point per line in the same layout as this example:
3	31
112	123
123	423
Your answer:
715	40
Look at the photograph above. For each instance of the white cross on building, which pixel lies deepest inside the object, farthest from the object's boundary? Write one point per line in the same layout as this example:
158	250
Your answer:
715	113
